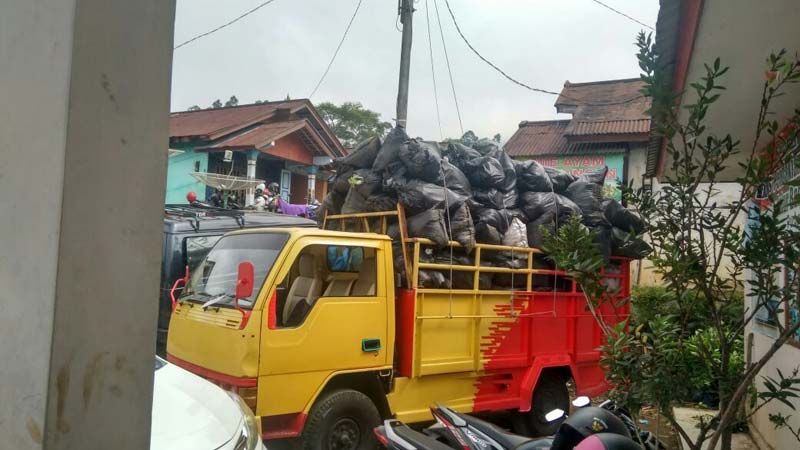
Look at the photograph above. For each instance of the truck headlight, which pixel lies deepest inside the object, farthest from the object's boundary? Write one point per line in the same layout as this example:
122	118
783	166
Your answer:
248	437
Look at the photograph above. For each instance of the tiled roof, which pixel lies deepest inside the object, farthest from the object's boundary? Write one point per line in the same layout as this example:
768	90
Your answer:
258	137
538	138
214	123
604	100
606	127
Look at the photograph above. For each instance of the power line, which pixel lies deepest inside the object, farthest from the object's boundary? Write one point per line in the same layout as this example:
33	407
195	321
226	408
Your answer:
433	72
449	70
223	25
346	30
624	15
517	82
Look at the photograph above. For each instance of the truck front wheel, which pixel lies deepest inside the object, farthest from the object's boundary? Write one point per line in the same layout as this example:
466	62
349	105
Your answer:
342	420
550	393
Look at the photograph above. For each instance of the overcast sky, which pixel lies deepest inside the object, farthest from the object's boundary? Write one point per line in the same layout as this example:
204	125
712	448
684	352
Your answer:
283	48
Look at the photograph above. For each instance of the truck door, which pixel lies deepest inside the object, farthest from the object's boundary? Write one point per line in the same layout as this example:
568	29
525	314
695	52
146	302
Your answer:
328	313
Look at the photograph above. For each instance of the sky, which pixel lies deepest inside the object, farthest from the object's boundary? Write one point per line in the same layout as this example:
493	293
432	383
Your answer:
283	49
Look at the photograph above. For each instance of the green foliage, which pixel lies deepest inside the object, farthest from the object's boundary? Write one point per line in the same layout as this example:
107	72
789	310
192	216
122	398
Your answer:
352	123
233	101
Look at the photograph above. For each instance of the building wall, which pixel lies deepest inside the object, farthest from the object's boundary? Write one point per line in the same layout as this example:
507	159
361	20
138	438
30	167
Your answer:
293	149
179	178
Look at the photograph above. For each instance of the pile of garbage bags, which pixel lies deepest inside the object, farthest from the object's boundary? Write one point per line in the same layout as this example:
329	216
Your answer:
477	193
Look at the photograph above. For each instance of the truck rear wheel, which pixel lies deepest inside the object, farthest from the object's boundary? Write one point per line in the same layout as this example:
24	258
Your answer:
342	420
550	393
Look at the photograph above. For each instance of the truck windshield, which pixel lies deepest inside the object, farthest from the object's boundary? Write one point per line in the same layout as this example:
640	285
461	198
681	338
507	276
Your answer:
214	280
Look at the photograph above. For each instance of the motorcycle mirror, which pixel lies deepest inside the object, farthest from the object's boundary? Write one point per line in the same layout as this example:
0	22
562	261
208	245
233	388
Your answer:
581	401
554	415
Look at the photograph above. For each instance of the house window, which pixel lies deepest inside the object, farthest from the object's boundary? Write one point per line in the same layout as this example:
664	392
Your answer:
197	166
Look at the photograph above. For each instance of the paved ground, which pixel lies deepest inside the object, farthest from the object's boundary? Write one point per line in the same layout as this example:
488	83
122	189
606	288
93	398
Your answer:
687	418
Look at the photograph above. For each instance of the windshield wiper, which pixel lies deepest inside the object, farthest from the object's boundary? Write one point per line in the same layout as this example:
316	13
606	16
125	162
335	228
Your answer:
215	300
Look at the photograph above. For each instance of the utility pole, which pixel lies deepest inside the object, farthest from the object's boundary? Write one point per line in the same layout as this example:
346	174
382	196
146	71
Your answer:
405	10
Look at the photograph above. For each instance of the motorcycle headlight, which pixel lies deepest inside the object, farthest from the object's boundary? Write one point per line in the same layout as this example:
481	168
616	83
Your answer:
248	437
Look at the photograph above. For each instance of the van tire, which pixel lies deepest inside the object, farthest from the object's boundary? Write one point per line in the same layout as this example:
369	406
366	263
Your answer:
550	393
342	420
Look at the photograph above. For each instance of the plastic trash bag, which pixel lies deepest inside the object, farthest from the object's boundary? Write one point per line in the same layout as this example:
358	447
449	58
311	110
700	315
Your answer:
588	196
455	180
459	154
331	205
621	218
538	204
629	246
516	235
602	239
365	181
532	177
340	183
535	231
597	176
560	179
487	234
462	229
495	199
418	196
380	202
509	171
390	149
429	224
363	155
422	159
485	146
485	172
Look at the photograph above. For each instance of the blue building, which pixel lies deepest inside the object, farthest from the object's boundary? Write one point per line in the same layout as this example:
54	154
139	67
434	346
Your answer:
285	142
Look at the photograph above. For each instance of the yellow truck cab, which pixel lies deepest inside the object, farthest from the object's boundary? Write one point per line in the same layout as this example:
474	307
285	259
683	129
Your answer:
313	330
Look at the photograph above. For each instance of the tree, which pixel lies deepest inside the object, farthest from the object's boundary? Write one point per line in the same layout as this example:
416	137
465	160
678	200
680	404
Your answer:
217	104
194	108
691	237
352	123
233	101
497	138
469	137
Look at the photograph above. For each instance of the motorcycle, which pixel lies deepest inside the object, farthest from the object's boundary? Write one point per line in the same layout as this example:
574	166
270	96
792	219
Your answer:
464	432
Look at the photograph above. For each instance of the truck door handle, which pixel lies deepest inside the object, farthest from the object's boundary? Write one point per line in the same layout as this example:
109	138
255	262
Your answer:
370	345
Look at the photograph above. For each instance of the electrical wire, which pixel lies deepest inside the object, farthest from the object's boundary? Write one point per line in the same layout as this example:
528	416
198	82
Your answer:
449	69
223	25
624	15
433	72
338	47
517	82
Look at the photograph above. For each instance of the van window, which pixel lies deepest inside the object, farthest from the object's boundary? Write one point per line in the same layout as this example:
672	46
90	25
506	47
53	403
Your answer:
196	248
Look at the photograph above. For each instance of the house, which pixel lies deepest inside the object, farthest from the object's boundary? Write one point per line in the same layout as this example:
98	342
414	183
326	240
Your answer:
608	127
742	33
285	142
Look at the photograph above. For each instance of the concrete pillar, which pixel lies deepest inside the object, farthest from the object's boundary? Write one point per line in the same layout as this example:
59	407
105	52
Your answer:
312	184
252	159
83	150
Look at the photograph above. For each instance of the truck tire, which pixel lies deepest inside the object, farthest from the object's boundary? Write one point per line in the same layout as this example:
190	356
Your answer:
550	393
342	420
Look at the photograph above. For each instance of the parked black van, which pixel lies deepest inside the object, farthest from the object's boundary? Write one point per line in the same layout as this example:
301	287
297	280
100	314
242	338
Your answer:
189	234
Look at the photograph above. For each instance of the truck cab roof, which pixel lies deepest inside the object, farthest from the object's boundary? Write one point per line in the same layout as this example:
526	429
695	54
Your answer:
297	232
188	219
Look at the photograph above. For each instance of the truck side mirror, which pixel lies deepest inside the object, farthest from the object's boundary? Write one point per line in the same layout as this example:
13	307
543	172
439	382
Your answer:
245	280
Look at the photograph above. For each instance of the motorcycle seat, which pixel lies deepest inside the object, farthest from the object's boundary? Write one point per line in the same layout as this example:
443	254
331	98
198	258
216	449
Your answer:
508	440
536	444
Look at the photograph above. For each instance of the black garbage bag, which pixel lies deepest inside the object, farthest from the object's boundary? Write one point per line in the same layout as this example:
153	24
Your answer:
621	218
555	206
532	177
332	204
588	196
495	218
431	279
628	245
422	159
390	149
536	233
355	202
603	235
460	154
340	183
487	234
455	180
418	196
485	146
515	213
429	224
366	181
495	199
485	172
509	171
560	179
380	202
596	176
508	280
462	229
363	155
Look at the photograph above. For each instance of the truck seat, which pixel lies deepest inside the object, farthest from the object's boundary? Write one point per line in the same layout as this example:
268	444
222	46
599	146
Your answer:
305	287
338	287
365	284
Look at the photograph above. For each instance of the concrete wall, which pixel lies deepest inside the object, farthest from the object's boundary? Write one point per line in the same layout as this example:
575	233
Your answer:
179	178
84	102
742	33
